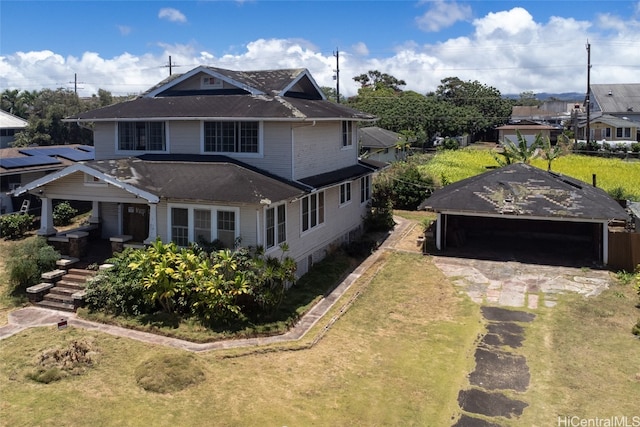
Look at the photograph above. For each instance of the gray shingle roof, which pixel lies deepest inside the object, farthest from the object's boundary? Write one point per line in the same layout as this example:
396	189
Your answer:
194	177
525	191
376	137
617	98
223	106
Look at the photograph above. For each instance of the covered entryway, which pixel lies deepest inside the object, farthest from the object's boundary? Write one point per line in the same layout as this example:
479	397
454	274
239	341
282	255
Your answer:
135	221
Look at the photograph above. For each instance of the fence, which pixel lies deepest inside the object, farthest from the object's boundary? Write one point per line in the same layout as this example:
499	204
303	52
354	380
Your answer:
624	250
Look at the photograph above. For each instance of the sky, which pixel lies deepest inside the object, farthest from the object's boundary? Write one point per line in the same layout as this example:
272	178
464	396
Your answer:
515	46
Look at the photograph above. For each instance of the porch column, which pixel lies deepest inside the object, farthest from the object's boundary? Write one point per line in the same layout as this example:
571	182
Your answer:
153	223
46	218
605	243
95	212
439	232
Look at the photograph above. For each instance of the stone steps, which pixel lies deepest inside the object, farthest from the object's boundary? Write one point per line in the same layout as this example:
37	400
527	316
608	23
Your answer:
67	291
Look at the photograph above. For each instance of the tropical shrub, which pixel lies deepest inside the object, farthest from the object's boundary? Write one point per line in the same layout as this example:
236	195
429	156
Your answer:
14	226
118	290
63	213
27	261
221	286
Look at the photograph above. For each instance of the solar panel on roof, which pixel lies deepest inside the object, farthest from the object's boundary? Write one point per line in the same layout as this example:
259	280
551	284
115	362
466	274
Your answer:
86	148
20	162
66	152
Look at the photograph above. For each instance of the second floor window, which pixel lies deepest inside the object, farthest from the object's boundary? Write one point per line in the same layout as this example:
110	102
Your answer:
141	136
347	134
231	137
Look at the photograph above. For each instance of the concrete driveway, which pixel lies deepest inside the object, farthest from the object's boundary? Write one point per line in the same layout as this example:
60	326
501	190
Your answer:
511	283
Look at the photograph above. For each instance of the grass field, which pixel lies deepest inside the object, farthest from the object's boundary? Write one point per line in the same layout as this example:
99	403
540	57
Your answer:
454	165
397	357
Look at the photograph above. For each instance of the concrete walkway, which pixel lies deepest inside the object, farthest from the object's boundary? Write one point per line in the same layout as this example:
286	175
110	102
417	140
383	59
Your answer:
514	284
30	317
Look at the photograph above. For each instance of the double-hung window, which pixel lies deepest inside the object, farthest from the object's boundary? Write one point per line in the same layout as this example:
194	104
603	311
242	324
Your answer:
275	226
312	211
202	224
141	136
231	137
623	132
347	134
365	188
345	193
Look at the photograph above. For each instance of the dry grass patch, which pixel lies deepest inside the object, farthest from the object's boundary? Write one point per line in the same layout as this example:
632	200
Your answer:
398	356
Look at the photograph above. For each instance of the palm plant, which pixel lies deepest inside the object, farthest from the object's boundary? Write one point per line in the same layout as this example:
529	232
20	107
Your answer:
520	152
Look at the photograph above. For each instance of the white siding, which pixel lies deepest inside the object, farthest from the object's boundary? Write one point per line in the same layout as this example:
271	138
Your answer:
104	141
109	220
318	149
73	187
184	137
276	150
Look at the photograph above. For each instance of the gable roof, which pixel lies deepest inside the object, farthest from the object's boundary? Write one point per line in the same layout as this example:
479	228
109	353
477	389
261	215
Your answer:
185	177
289	94
521	191
377	137
613	121
9	121
617	98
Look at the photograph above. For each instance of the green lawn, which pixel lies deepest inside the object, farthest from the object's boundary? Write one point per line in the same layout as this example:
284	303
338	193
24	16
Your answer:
398	357
454	165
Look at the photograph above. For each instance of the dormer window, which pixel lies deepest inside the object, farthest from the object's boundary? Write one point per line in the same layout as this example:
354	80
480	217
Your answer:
209	82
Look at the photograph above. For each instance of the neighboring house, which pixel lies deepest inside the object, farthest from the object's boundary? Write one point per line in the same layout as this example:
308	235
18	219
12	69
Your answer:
259	157
381	145
21	165
519	203
618	100
9	126
528	129
611	130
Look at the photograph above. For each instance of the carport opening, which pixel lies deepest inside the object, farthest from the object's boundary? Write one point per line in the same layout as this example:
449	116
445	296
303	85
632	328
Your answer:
525	240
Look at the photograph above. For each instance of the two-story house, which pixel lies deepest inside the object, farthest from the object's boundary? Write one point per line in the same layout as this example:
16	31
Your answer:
260	158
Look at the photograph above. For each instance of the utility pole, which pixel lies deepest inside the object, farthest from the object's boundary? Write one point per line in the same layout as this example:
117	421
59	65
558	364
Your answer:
170	66
587	99
337	75
75	83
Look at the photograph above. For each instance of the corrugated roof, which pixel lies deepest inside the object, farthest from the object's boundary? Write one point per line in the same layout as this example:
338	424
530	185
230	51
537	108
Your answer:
525	191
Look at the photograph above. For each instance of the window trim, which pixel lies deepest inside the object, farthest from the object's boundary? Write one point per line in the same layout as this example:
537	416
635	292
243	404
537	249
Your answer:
277	241
347	134
258	153
214	209
365	189
315	215
118	150
345	194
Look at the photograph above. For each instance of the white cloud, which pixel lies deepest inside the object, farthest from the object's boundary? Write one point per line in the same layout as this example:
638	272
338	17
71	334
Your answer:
508	50
442	14
171	14
360	49
124	30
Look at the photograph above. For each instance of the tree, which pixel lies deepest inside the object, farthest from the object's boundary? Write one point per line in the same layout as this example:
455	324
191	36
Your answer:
483	106
528	99
552	152
520	152
331	94
377	80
